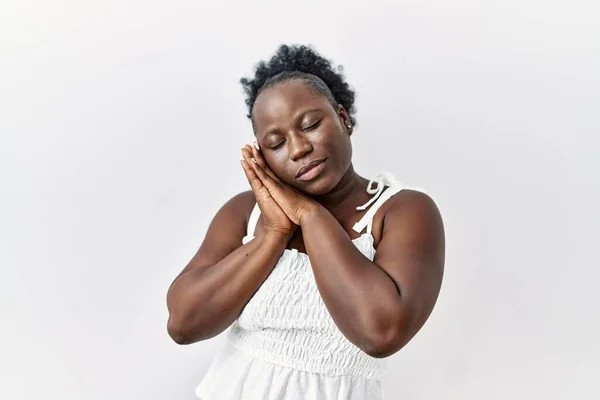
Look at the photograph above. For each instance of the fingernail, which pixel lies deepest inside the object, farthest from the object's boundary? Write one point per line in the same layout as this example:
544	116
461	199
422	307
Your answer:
256	145
253	160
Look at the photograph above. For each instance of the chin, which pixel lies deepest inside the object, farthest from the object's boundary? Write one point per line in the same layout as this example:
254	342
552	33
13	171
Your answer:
319	187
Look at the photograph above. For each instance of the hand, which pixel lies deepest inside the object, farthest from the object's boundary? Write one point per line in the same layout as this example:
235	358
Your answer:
294	204
274	219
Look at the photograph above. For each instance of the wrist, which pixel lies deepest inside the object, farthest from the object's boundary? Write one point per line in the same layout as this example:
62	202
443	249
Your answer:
276	238
312	212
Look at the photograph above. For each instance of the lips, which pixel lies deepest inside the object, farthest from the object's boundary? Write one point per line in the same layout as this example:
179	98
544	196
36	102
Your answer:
305	171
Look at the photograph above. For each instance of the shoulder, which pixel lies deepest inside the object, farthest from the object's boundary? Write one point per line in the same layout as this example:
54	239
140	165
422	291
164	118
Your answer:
410	200
414	215
411	211
228	226
241	205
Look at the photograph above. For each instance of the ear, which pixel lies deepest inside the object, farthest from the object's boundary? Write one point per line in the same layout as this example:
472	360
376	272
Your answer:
345	119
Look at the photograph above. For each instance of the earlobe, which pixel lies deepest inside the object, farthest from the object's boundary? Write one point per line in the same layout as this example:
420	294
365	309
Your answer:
345	119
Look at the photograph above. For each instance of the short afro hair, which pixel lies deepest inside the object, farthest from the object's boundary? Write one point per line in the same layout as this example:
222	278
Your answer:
304	64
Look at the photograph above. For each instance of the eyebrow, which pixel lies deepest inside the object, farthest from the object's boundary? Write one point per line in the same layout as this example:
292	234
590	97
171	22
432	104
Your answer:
298	118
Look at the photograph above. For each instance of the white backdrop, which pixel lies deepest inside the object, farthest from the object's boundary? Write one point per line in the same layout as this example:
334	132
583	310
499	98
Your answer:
121	123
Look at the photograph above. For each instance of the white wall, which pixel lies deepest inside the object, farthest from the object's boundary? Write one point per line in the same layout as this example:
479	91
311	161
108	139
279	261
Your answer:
120	129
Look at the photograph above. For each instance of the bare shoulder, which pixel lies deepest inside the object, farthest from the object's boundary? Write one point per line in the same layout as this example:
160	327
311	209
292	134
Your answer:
241	205
409	210
225	232
413	201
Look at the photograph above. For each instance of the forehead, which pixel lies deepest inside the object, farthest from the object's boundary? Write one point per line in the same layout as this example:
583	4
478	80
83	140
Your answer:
284	102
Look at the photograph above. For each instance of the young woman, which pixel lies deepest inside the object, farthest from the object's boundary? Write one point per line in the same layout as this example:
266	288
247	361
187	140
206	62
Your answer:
319	273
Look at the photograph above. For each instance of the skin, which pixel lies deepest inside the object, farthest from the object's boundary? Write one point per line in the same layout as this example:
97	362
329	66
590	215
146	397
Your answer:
378	305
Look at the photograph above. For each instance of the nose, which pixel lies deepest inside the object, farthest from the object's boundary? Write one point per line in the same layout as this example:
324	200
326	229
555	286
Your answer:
299	146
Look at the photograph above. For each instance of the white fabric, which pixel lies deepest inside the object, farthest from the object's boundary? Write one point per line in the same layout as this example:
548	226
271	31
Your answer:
286	346
252	221
382	179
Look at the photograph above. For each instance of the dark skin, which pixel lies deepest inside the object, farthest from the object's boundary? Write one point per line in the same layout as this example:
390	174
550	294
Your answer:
378	305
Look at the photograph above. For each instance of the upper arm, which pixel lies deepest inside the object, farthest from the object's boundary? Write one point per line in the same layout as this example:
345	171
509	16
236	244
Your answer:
225	232
412	252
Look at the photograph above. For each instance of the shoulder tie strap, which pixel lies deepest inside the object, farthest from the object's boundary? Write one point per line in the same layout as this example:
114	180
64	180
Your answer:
253	221
382	179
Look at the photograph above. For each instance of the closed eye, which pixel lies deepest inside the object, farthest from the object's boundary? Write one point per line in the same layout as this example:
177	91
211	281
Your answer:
312	127
278	145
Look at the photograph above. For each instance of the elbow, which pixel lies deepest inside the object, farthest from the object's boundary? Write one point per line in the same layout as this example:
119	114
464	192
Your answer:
382	347
185	331
384	342
178	331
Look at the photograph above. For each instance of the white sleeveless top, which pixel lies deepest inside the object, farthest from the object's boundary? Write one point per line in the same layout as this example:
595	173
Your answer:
285	345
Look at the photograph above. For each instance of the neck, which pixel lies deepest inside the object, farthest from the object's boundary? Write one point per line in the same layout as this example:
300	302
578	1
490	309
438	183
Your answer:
348	192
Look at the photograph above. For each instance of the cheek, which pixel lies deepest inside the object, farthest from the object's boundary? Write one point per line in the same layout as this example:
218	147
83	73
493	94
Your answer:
345	157
277	163
348	146
341	146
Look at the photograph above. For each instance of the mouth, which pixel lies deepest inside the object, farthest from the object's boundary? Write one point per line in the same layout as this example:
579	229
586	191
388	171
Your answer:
311	170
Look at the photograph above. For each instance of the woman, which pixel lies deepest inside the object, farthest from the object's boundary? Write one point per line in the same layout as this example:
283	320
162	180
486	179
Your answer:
319	273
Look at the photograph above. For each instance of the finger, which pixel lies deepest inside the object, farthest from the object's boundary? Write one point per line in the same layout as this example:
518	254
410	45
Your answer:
255	154
255	183
260	159
249	158
247	154
258	156
271	184
253	179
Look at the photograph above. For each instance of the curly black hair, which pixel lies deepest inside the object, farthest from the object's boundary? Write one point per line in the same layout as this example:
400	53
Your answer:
301	63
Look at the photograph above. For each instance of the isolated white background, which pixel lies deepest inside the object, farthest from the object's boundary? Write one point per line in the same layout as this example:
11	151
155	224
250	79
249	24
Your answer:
120	128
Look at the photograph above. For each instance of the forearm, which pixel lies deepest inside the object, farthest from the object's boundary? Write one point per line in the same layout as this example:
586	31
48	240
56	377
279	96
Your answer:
205	301
362	299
